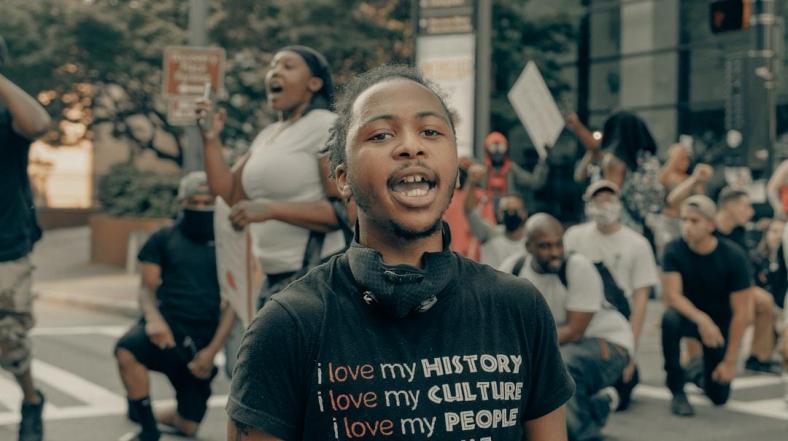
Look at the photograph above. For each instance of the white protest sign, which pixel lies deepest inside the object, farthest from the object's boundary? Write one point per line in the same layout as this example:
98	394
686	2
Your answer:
536	108
238	269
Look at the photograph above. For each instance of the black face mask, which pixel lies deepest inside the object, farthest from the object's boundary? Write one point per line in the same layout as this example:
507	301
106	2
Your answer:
197	224
512	220
400	290
497	159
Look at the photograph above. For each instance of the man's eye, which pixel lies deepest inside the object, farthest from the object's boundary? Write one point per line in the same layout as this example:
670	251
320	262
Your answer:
380	137
431	132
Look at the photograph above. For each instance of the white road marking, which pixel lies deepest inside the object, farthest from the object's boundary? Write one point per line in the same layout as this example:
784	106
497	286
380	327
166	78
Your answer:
10	395
109	330
771	408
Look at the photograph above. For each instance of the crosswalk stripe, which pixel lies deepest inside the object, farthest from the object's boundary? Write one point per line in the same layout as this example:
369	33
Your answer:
110	330
52	413
771	408
10	395
89	393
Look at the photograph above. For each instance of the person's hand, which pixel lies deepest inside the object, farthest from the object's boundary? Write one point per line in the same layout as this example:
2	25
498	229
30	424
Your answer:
724	372
245	212
201	365
572	121
629	371
476	174
710	333
703	172
211	121
159	333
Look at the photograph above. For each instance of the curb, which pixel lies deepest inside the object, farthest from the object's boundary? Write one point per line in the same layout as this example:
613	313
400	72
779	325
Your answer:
125	308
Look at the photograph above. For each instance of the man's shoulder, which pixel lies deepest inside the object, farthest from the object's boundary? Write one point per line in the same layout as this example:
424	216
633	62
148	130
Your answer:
634	238
676	246
579	231
499	285
306	297
730	248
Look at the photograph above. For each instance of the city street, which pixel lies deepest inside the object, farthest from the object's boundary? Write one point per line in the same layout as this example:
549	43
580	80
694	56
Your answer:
75	369
86	402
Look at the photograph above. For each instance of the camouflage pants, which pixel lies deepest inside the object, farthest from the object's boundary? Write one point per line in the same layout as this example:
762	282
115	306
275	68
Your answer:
16	314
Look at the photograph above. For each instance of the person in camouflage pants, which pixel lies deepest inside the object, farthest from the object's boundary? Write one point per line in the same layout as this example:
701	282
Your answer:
22	119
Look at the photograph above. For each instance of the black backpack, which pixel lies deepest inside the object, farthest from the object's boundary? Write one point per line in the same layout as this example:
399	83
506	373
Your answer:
613	293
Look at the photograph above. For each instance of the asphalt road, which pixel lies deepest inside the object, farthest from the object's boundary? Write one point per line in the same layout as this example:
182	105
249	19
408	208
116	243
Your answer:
75	369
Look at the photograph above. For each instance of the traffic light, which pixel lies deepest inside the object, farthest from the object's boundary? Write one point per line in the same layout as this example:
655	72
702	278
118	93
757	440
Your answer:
729	15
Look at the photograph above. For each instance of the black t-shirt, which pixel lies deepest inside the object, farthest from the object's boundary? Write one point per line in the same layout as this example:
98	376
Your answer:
738	235
188	296
709	280
18	226
319	364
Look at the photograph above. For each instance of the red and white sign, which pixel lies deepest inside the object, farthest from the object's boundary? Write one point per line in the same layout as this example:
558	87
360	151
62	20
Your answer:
186	71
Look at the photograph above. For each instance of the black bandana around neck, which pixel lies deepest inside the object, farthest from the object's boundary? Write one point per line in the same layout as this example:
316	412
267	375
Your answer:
399	290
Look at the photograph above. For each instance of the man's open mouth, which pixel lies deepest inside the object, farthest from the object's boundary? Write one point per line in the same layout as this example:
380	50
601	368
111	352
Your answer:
413	185
414	188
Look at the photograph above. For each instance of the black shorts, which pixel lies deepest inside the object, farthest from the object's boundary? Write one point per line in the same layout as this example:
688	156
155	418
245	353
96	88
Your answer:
191	393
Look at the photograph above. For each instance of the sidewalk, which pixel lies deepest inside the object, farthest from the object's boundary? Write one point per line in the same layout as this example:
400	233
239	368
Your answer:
64	274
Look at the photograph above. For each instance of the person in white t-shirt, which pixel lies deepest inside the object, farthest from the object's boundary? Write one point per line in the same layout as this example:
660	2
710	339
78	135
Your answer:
625	253
596	340
280	188
497	241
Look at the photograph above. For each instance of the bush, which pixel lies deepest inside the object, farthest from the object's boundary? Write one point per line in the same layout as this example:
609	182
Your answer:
126	191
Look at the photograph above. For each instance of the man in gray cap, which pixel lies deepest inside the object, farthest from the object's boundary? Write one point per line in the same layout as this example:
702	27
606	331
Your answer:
626	255
184	322
22	119
706	285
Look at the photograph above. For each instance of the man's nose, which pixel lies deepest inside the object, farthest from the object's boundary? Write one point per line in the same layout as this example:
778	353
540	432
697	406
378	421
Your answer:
410	147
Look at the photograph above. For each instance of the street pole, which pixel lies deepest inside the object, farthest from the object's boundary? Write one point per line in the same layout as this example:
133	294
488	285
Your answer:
198	36
483	57
764	58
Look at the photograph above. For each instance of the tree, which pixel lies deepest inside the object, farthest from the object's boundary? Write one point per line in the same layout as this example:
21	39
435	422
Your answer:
95	62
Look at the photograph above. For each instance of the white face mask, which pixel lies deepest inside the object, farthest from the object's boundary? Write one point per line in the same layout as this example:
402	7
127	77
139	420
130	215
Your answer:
604	214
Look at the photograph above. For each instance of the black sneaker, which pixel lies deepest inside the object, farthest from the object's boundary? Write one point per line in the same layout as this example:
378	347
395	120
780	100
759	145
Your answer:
31	428
147	436
766	367
681	406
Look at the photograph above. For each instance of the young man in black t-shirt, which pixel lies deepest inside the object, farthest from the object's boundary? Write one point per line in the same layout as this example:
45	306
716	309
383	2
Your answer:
185	322
735	211
22	119
706	284
399	338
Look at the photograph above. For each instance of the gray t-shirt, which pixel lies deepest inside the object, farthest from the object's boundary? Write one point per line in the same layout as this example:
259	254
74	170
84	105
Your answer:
284	166
495	246
583	294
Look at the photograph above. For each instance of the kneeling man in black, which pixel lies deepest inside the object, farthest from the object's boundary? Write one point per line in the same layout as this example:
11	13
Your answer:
184	323
706	285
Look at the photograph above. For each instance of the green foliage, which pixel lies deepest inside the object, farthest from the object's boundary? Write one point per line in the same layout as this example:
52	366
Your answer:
103	57
518	39
126	191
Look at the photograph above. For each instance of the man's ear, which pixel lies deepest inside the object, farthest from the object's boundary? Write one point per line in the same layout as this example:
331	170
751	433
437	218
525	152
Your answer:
314	84
342	184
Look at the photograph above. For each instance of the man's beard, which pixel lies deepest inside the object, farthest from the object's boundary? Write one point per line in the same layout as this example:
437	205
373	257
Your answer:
363	203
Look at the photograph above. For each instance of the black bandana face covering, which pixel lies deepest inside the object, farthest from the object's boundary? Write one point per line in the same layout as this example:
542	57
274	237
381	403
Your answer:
400	290
197	224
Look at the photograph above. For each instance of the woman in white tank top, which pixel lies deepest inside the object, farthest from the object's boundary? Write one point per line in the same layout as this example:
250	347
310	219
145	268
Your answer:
280	187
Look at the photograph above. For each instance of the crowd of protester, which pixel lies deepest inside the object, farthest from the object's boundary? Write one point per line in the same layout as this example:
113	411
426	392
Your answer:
650	230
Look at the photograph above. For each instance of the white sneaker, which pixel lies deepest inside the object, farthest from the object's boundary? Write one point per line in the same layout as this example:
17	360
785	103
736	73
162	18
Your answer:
612	394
